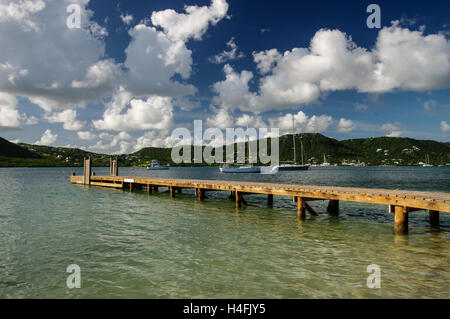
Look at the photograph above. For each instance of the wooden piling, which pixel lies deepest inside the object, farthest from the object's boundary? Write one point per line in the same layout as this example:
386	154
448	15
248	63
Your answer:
333	207
113	167
301	209
434	218
172	191
238	197
87	171
200	193
270	199
149	189
401	220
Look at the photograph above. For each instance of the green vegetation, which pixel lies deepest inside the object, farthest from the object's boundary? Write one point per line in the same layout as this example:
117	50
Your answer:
371	151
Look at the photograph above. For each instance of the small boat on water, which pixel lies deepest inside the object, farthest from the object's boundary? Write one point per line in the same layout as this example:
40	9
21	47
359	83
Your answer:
249	168
427	160
325	163
240	169
156	166
294	166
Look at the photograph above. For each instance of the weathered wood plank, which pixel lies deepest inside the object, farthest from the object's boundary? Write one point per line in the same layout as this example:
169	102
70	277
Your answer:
417	200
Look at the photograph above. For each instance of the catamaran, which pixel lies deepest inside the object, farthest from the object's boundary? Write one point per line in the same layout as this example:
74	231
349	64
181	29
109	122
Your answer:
294	166
156	166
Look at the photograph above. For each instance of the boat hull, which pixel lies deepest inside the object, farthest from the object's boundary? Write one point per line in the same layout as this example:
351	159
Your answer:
241	170
293	168
160	168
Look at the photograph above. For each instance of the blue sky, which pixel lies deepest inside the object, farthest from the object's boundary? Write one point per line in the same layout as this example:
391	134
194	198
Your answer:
134	71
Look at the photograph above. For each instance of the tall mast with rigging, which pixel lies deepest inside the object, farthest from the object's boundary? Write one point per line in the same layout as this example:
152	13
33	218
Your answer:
293	138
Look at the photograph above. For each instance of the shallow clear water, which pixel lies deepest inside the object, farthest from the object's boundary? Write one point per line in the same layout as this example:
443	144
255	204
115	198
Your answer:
130	245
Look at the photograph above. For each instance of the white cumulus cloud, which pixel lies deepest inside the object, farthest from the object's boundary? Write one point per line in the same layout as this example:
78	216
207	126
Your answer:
445	127
393	129
47	138
346	125
193	23
86	135
401	60
126	18
124	113
68	118
225	56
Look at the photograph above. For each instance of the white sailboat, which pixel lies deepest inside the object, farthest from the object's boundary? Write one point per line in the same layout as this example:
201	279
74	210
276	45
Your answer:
427	159
325	163
241	169
294	166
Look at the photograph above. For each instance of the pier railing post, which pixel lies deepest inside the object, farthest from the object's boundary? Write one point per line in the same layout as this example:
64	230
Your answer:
434	218
401	220
87	171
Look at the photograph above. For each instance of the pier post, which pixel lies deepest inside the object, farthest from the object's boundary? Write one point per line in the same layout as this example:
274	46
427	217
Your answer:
238	197
401	220
172	191
131	187
87	171
200	193
333	207
270	199
113	167
149	189
301	208
434	218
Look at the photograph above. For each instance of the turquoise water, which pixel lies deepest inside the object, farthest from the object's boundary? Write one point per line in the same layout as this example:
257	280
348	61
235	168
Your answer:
130	245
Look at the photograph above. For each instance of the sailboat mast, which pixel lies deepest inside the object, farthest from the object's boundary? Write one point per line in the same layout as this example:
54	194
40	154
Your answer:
248	144
301	144
293	138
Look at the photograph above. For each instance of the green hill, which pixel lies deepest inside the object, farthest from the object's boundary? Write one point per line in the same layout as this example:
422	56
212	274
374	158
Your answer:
314	148
404	151
372	151
8	149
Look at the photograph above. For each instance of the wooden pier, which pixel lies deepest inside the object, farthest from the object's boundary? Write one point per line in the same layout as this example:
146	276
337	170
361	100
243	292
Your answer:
399	202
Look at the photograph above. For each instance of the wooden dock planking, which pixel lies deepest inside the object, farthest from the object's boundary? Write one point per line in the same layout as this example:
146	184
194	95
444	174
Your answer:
400	202
426	201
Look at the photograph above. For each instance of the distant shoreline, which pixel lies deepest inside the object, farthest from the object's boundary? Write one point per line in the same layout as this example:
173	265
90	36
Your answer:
204	166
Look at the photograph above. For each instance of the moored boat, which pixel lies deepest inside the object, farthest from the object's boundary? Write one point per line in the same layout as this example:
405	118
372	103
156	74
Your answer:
240	169
156	166
293	167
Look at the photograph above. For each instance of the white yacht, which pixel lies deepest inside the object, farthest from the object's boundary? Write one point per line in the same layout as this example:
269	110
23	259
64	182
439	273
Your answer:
156	166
